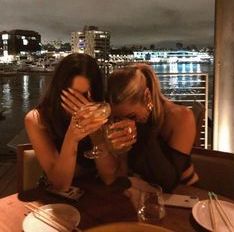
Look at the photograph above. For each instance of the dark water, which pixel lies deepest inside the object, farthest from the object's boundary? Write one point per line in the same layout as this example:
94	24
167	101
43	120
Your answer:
20	93
187	79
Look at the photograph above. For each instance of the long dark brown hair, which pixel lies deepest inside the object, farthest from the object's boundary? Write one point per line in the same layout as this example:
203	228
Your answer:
53	117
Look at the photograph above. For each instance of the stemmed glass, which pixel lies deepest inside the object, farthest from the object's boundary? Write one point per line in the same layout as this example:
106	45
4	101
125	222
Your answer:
102	111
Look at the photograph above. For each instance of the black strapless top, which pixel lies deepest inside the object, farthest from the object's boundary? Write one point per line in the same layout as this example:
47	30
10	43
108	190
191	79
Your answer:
155	161
85	145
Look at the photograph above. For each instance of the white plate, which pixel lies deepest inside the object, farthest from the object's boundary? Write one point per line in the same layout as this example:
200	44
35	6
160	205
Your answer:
63	211
201	214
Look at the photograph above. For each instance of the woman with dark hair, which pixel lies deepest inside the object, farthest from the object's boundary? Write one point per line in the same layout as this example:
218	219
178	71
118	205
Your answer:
53	129
165	130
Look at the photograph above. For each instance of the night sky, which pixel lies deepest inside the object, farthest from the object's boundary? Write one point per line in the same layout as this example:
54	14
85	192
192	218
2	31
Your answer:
145	22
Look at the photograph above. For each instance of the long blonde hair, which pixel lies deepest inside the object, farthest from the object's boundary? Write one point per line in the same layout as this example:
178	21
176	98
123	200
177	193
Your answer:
128	84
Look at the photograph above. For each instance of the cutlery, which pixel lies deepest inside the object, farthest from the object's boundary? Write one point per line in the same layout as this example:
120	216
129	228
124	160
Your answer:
50	219
215	203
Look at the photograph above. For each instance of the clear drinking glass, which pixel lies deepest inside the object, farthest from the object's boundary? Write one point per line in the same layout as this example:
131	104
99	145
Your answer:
102	111
108	130
151	205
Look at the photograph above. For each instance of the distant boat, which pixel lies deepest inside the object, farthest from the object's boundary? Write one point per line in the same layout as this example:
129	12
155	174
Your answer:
171	56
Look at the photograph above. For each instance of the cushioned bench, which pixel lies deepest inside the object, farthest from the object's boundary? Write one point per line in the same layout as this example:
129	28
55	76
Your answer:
215	170
29	169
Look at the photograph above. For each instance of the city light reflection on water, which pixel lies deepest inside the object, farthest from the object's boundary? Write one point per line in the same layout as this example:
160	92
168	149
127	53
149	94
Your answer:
6	98
25	93
20	93
181	68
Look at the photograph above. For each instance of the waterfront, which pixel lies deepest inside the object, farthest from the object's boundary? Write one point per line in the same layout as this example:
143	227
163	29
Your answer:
19	93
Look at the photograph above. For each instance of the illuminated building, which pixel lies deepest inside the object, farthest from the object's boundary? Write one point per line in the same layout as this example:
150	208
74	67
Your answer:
91	41
78	42
179	56
19	42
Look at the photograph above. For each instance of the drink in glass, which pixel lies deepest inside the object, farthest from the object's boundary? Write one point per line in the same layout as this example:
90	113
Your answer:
110	145
102	111
151	205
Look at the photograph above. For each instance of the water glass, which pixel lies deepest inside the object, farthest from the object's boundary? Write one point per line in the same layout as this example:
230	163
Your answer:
151	208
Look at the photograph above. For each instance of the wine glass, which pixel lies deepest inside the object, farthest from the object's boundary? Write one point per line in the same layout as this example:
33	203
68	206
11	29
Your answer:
102	111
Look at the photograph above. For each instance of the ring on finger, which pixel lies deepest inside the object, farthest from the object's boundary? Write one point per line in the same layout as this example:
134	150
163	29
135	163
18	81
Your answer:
133	136
74	114
129	130
78	125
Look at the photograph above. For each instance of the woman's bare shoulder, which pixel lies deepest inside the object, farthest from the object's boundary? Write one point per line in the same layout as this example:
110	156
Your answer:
183	128
33	118
181	114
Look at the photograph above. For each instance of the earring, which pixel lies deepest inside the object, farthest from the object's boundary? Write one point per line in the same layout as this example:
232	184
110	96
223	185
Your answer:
89	95
150	106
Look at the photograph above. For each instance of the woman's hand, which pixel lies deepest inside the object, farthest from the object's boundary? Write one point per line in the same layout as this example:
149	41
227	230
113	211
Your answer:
72	100
122	134
82	123
83	126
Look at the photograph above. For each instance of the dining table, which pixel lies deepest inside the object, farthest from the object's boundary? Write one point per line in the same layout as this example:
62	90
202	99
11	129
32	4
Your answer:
100	204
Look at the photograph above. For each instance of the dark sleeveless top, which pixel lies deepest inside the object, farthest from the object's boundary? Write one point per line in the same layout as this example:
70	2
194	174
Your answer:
84	145
155	161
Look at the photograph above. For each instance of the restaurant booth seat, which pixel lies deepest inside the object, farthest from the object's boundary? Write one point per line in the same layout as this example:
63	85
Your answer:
215	170
28	168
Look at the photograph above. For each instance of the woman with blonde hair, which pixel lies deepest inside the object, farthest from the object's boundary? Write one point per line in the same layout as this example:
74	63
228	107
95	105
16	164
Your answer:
165	131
